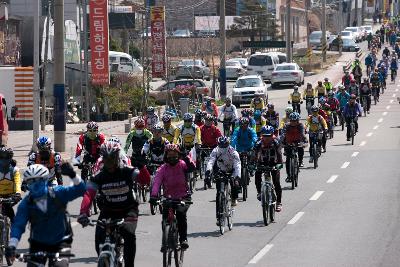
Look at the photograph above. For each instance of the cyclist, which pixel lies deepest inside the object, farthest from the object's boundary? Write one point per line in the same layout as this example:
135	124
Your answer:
320	89
295	99
228	113
150	119
89	143
210	107
353	88
383	75
365	93
125	160
309	95
369	39
190	133
397	49
244	137
114	186
334	106
209	133
375	81
48	158
10	181
226	160
342	96
385	52
357	70
268	153
199	117
257	103
315	123
369	63
351	112
154	148
346	79
45	209
260	121
294	133
171	132
328	85
393	68
285	120
272	117
248	113
172	177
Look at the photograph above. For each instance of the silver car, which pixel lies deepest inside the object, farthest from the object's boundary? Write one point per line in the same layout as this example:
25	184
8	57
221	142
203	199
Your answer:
189	68
315	39
246	87
234	70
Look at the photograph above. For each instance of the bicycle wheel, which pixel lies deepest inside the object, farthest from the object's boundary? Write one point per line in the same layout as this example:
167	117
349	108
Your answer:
342	122
2	240
264	204
352	135
229	210
178	256
291	168
365	109
315	156
192	183
375	99
272	212
104	261
221	215
296	171
144	195
244	184
167	252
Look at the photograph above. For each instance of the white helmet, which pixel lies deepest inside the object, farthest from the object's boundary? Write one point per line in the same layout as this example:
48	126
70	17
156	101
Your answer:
115	139
36	171
289	109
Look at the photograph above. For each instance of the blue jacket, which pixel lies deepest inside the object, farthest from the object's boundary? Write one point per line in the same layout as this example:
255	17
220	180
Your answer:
351	111
393	65
244	141
369	60
343	98
50	227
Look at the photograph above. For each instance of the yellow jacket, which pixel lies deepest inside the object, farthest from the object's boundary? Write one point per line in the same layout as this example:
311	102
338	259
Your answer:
321	89
190	136
283	122
315	123
309	92
295	97
257	106
10	183
260	124
172	134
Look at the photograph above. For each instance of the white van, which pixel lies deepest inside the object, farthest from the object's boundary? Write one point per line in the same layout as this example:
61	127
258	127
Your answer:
123	62
262	64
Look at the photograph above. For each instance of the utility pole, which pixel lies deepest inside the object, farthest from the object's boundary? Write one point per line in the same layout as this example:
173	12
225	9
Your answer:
349	6
307	2
222	68
59	78
323	37
340	16
36	76
86	60
288	31
356	12
44	71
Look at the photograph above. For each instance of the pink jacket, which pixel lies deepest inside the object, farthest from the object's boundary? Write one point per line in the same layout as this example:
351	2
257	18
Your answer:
173	180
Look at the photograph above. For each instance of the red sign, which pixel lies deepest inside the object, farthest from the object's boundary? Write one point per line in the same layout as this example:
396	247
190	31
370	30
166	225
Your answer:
99	41
157	15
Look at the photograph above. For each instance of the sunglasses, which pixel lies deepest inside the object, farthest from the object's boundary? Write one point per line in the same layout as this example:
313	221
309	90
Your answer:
34	180
92	131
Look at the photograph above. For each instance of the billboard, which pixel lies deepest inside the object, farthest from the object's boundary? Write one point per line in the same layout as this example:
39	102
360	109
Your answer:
99	41
157	16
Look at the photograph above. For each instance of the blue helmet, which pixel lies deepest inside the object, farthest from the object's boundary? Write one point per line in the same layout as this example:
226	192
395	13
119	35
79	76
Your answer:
43	142
187	117
223	141
257	114
267	130
294	116
321	100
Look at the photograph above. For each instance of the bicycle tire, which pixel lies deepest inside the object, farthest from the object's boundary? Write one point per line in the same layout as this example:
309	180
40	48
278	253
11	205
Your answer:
375	100
296	171
153	209
104	261
342	122
166	250
144	195
352	135
229	210
244	184
264	205
365	109
315	156
178	257
221	216
272	212
291	169
2	241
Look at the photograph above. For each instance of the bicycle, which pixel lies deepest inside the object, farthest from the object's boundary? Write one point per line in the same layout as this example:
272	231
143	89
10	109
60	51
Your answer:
227	125
309	103
341	119
42	255
268	195
296	106
393	75
223	204
375	93
204	154
153	169
331	125
352	126
315	144
190	177
111	250
293	159
4	227
244	173
364	104
170	243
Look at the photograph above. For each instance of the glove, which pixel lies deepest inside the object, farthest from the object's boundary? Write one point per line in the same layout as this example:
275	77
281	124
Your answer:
153	200
83	220
17	197
10	254
288	102
301	102
67	169
13	163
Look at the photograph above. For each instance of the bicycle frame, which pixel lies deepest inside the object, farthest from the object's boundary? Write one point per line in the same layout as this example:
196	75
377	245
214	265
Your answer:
53	257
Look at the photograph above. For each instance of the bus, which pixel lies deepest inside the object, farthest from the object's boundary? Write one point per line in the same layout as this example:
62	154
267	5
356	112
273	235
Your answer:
3	121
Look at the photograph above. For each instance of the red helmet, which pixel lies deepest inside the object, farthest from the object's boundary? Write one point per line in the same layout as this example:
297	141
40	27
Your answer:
171	147
139	123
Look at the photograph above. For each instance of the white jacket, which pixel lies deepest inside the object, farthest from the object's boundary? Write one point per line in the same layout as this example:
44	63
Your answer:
227	161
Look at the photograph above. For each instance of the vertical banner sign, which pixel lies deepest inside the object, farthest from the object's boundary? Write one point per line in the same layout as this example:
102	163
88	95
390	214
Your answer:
99	41
157	15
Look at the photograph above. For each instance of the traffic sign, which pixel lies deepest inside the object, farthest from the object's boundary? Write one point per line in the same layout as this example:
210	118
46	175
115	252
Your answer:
309	53
264	44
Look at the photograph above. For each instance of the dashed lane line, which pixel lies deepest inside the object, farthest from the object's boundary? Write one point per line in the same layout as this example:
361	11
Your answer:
317	195
391	101
261	254
296	217
376	127
355	154
363	143
370	134
394	95
345	165
384	113
387	107
380	120
332	179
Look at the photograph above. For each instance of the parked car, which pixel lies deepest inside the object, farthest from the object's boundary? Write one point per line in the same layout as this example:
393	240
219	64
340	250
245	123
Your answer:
315	39
246	87
348	45
367	29
123	62
189	68
160	94
3	121
206	33
182	33
262	64
281	56
347	34
242	61
358	35
287	73
234	69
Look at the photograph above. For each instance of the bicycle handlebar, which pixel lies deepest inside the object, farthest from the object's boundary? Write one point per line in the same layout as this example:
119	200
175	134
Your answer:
7	200
107	222
170	201
23	257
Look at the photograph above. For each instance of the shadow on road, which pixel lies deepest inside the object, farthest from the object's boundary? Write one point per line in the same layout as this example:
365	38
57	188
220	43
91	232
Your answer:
87	260
345	144
204	234
287	188
395	127
250	224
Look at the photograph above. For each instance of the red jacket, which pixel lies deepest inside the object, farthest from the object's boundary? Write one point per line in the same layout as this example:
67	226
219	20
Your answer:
323	114
209	135
91	146
333	103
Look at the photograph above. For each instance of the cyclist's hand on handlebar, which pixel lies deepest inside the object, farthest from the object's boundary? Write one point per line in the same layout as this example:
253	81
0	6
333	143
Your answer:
17	197
83	219
67	169
153	200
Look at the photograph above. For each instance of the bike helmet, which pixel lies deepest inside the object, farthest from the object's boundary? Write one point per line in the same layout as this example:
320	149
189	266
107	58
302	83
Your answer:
223	141
331	94
245	112
198	112
92	126
243	121
270	106
43	143
158	128
150	110
139	123
352	81
289	109
171	147
228	99
6	152
326	79
314	108
341	87
209	117
295	88
166	118
257	114
309	84
267	130
110	149
36	171
353	96
321	100
114	139
295	116
187	117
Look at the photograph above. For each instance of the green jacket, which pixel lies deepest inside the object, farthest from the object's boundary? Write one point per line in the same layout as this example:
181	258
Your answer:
136	140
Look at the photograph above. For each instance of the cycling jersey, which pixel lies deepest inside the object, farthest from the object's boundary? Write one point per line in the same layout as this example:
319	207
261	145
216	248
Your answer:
228	113
346	79
150	121
190	135
272	118
283	122
210	109
351	110
321	90
244	140
316	123
171	134
90	146
333	103
268	154
353	90
137	140
53	163
309	92
295	97
257	103
209	135
293	134
156	149
328	86
260	123
343	98
365	89
10	182
227	160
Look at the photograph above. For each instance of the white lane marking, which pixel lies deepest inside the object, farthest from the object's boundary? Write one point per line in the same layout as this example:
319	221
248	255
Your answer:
370	134
316	195
345	165
332	179
376	127
391	101
296	217
73	224
261	254
363	143
380	120
384	113
355	154
394	95
387	107
397	89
